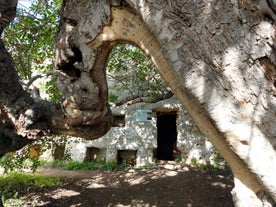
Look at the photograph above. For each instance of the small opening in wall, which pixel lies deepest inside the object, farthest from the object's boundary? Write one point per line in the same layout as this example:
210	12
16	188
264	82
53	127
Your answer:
127	157
118	120
92	154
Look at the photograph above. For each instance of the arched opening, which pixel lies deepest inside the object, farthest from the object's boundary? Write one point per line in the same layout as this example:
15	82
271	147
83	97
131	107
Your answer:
132	77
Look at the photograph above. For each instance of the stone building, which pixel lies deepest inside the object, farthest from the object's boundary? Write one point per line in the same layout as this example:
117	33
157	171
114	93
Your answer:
144	133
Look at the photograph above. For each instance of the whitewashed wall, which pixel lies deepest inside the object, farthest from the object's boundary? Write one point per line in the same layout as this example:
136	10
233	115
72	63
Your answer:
142	136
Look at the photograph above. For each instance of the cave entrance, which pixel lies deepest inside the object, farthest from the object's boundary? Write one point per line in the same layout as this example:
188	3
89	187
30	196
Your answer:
166	135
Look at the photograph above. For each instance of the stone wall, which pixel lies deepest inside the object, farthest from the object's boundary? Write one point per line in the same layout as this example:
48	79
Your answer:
134	139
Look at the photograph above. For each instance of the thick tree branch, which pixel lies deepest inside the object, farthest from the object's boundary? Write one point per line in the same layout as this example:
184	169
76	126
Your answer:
24	119
147	98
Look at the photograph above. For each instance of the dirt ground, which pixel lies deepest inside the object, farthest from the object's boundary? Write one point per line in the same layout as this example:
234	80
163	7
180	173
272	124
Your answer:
158	187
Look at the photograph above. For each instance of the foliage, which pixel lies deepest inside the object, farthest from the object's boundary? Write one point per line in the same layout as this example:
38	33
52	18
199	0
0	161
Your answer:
51	90
28	157
30	40
17	184
130	70
30	37
19	161
112	97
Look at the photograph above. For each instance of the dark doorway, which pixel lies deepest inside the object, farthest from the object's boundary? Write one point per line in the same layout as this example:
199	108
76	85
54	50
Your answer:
166	135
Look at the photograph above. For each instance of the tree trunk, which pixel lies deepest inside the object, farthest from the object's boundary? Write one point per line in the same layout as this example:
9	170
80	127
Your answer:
218	57
24	119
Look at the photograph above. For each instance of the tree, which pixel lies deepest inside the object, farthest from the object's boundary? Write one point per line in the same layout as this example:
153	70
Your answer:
30	41
30	37
218	57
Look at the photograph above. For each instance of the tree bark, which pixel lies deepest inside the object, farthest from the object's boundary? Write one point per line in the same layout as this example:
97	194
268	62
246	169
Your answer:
218	57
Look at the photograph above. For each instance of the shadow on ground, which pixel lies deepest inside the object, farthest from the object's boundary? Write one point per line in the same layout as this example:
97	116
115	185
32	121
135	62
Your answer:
137	187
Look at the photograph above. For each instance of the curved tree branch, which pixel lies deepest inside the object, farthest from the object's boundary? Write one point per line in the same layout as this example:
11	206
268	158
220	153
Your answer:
34	78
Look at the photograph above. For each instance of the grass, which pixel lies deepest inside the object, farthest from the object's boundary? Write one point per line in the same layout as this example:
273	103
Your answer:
101	165
73	165
53	164
13	185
